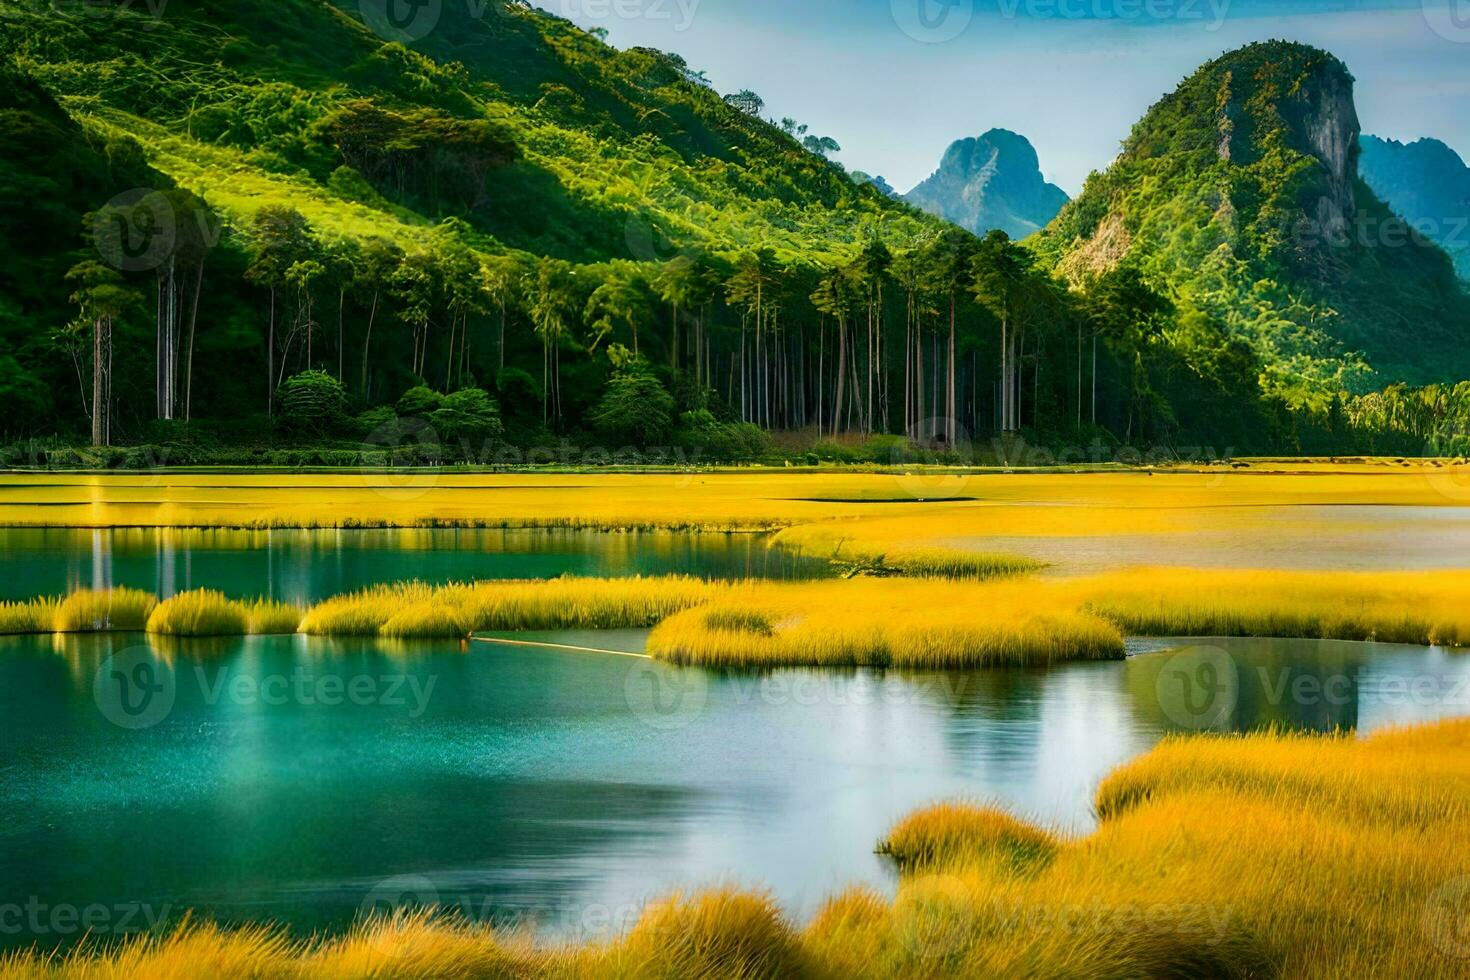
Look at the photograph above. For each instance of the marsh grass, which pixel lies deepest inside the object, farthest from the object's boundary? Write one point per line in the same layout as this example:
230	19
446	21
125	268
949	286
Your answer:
920	623
267	617
418	611
915	623
1422	608
202	612
33	616
1222	856
950	834
104	610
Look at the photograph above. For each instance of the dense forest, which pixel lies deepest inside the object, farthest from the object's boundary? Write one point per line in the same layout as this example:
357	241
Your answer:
260	231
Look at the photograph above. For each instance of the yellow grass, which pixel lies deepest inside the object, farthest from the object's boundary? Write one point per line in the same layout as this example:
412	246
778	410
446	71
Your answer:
1397	607
103	610
908	507
202	612
949	834
31	616
1267	855
899	622
415	610
883	622
267	617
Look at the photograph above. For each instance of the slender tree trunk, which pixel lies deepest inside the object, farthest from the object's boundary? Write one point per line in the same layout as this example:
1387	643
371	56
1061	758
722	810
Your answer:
1094	379
839	406
270	360
99	397
951	413
193	322
341	332
367	343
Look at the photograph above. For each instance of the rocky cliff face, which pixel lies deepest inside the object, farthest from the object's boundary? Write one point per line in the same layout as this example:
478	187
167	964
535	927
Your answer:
993	181
1311	111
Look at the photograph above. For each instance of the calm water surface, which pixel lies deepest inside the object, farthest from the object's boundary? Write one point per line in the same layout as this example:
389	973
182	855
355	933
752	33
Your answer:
305	566
300	780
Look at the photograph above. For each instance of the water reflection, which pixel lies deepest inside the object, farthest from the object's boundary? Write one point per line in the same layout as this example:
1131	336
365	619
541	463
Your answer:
295	779
306	566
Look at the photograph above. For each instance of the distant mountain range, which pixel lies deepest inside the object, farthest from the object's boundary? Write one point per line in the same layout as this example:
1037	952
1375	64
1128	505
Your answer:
993	181
1427	183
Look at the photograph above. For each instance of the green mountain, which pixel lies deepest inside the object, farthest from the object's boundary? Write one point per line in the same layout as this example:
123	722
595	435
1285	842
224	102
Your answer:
1239	193
259	225
1426	183
993	181
495	130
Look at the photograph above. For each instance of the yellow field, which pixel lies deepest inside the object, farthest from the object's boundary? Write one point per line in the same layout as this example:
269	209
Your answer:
1268	855
1046	502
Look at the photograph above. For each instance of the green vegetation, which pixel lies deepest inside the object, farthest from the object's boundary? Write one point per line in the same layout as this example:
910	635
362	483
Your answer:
319	221
1238	195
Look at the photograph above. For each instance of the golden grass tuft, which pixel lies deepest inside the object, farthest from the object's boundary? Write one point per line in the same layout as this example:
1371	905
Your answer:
716	933
419	945
267	617
950	834
33	616
104	610
415	610
202	612
916	623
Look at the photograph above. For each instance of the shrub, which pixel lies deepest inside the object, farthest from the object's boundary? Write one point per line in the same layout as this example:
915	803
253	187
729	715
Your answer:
715	441
419	402
381	423
312	403
468	416
635	408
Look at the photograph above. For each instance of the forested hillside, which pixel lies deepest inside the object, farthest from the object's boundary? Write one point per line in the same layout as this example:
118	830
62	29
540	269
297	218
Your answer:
263	224
1241	192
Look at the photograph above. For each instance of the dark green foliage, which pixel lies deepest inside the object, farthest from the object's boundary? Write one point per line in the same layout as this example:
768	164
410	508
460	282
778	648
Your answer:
419	401
468	417
511	198
1238	195
312	403
636	408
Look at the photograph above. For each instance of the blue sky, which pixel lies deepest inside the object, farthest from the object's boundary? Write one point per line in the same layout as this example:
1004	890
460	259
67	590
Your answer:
896	81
